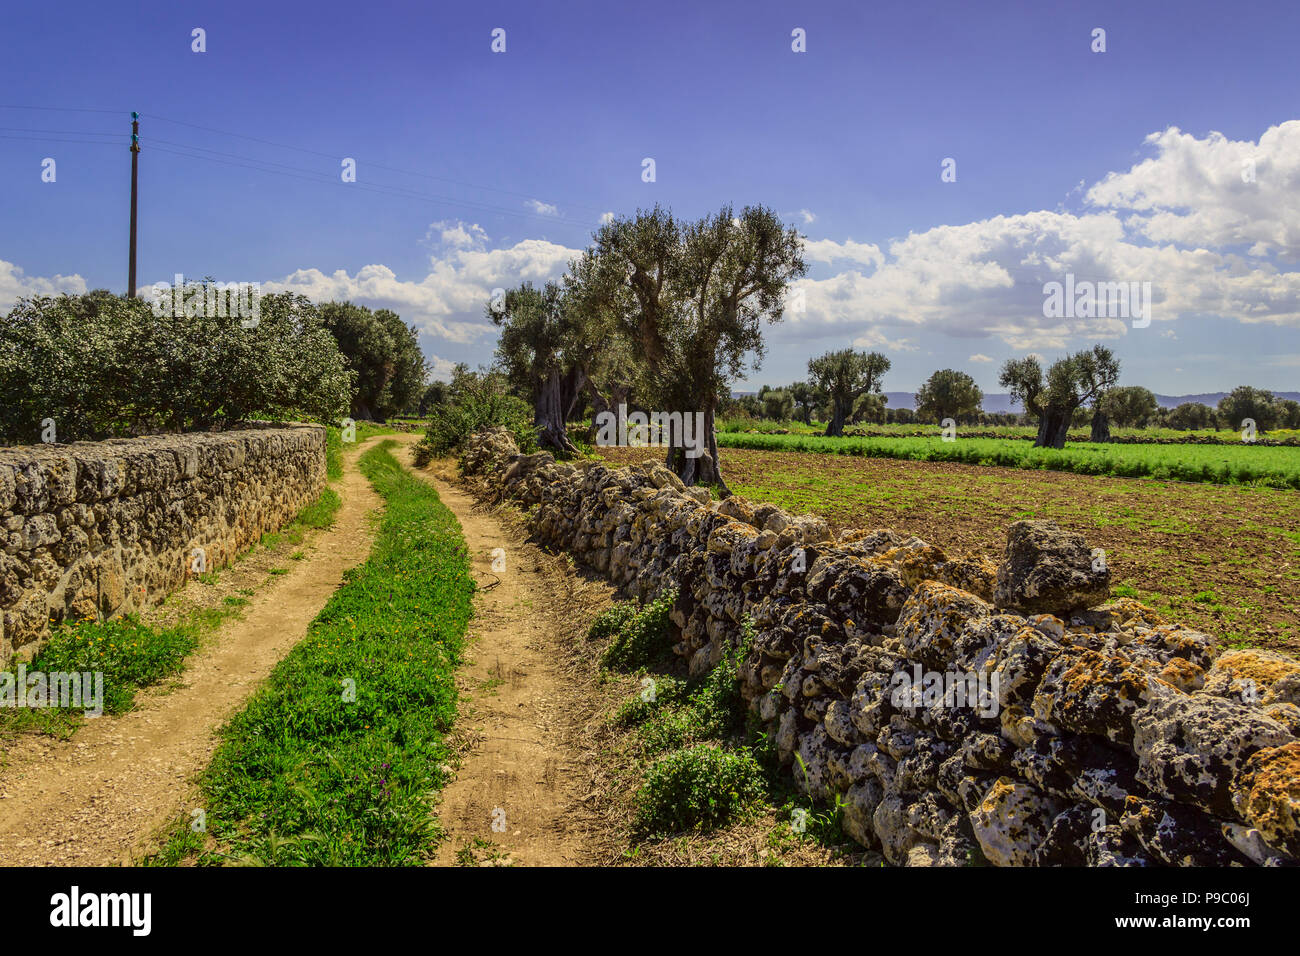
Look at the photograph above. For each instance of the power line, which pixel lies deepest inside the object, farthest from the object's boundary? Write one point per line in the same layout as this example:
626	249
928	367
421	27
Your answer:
391	169
257	164
77	132
387	189
51	139
62	109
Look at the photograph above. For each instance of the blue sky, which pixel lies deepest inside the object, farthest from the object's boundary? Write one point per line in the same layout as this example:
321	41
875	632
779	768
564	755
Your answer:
478	169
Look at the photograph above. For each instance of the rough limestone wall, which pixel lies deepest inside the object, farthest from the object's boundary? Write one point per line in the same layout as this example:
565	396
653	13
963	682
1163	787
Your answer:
104	528
1116	739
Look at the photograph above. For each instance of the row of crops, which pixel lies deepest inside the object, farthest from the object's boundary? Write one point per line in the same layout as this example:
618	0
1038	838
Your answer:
1275	467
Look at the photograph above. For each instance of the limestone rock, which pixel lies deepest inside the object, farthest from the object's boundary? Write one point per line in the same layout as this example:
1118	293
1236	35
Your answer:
1267	796
1190	747
1048	569
1011	821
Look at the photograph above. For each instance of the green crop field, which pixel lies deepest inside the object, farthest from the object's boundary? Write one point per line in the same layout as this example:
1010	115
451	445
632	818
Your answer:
767	426
1274	467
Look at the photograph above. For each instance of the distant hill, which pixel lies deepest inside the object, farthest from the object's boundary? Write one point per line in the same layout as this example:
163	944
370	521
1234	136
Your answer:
1001	401
1211	398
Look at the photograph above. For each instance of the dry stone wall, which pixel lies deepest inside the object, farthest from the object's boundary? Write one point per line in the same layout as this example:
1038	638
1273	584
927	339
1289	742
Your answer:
96	529
961	711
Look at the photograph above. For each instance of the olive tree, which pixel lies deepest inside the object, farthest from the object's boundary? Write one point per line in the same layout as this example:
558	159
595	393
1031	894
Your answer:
948	394
545	349
1128	406
844	376
1191	415
1288	413
806	398
691	298
778	404
385	354
1246	401
1069	383
869	407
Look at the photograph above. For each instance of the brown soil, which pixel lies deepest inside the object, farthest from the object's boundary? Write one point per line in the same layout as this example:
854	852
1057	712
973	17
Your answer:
98	798
520	793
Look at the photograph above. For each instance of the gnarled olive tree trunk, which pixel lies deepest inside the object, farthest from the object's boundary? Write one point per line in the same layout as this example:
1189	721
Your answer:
600	404
1053	427
703	469
1100	427
549	414
839	414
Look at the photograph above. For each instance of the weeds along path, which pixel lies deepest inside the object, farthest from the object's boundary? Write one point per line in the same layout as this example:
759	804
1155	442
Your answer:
517	796
99	797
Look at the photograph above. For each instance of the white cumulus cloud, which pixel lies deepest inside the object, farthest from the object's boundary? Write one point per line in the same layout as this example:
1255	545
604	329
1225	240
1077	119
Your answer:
449	301
14	285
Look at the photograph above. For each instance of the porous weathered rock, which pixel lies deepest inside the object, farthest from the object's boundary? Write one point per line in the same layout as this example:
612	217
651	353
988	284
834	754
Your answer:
1190	747
1177	835
933	619
1086	692
1254	676
1049	569
1266	794
1012	821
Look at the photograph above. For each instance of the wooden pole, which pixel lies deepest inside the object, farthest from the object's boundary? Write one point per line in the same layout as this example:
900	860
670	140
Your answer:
135	170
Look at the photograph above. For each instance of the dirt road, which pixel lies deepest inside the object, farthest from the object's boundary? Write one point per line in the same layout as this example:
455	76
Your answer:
98	798
517	797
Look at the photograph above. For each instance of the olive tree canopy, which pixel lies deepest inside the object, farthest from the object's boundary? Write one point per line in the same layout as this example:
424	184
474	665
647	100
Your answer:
949	394
691	298
385	354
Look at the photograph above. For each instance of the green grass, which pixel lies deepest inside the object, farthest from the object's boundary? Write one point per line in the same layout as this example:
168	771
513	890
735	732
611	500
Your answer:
320	513
306	776
1275	467
1226	436
334	445
129	654
333	453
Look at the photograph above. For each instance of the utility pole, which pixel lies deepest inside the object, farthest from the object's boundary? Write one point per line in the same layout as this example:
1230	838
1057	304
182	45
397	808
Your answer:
135	170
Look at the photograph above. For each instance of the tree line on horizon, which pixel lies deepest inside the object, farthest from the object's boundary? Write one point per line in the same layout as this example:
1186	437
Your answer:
950	394
657	314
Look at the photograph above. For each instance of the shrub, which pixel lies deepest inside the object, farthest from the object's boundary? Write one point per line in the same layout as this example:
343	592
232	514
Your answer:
645	638
708	708
612	620
102	365
477	402
717	703
700	787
